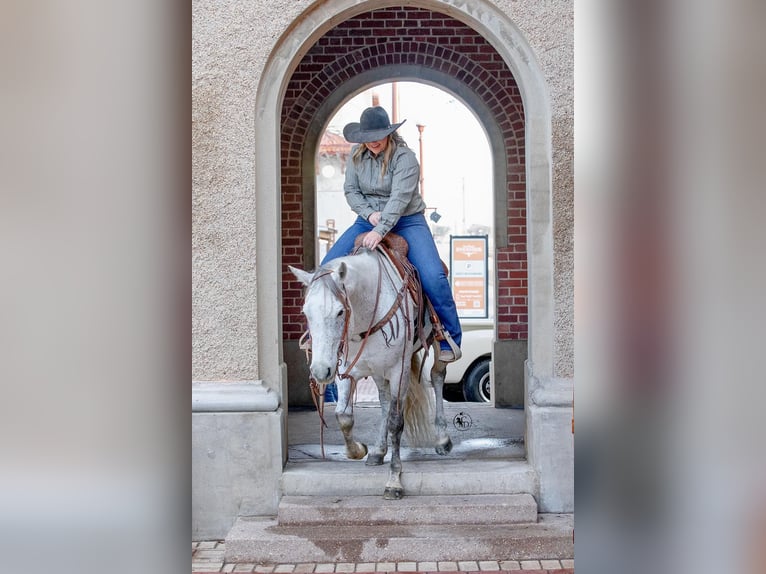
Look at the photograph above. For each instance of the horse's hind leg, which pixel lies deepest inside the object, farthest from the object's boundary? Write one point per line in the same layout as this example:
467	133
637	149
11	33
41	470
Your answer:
344	414
394	489
443	441
378	451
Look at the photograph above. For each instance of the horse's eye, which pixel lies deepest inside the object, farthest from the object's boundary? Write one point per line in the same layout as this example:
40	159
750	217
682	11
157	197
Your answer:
340	312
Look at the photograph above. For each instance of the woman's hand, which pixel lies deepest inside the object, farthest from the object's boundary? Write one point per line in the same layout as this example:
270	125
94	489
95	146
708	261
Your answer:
372	239
374	218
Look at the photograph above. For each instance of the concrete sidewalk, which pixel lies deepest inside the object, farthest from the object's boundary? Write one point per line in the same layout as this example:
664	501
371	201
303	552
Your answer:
208	557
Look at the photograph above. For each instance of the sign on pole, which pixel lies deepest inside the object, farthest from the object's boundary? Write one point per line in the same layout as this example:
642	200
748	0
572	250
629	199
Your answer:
468	274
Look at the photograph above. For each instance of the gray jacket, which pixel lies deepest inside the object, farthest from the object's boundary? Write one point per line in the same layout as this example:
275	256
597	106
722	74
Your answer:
395	195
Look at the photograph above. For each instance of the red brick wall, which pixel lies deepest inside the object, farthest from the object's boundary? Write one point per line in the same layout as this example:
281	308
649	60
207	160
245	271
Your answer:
406	36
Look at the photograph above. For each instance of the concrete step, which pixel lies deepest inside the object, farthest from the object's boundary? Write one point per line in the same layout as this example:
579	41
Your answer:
373	510
263	540
466	448
419	478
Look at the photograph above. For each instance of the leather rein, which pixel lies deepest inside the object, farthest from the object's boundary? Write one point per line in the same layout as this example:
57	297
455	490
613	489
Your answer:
342	296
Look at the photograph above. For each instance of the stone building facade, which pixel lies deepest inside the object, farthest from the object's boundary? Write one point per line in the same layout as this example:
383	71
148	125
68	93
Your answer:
266	77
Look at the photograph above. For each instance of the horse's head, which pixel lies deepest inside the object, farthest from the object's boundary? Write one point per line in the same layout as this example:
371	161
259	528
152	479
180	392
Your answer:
326	310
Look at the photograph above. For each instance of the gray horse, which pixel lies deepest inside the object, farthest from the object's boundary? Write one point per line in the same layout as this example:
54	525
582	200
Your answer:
361	319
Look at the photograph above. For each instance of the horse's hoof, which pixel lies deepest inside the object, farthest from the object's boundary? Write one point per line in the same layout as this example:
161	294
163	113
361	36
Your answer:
374	459
393	493
359	453
445	448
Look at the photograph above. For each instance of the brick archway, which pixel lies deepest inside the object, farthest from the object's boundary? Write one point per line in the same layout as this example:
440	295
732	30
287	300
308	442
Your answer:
513	52
405	43
547	398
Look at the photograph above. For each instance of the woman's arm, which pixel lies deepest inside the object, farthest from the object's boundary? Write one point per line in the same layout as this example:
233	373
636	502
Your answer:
354	196
404	185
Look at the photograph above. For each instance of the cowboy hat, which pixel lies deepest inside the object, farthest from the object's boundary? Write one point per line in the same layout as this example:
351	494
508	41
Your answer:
374	125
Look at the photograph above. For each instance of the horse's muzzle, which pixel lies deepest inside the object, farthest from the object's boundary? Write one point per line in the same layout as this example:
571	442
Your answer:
323	373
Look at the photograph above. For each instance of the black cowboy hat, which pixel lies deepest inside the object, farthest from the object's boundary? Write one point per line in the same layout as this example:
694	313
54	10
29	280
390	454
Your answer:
374	125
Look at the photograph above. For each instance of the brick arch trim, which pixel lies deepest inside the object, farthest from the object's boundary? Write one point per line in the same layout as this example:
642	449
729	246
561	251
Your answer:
427	76
446	48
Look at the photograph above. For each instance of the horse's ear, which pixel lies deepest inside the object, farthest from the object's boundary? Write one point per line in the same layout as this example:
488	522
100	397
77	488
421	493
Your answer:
342	270
303	276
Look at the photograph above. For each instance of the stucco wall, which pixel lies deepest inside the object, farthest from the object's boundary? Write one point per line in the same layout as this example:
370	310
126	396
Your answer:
549	28
231	41
231	44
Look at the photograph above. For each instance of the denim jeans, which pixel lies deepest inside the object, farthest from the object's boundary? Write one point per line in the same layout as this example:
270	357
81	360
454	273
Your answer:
423	255
331	393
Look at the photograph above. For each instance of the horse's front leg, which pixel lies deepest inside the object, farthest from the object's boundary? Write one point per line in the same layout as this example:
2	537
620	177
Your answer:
438	372
394	489
344	414
378	451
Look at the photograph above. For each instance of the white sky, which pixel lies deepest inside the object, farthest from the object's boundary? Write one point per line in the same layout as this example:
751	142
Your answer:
455	149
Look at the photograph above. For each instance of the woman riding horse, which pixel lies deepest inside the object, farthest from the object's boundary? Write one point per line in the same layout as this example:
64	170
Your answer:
382	188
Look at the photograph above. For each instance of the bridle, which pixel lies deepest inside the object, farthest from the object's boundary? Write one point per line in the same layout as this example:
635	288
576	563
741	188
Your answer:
325	277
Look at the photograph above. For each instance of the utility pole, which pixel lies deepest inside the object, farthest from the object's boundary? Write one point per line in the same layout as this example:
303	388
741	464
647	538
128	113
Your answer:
464	229
421	127
394	102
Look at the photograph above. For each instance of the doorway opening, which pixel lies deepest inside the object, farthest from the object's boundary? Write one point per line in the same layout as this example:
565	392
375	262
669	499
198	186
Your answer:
457	185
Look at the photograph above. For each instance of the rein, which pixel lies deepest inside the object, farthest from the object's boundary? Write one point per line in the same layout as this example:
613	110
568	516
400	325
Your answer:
373	327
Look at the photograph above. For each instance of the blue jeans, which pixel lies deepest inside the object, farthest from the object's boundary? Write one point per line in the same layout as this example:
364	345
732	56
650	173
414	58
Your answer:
331	393
424	257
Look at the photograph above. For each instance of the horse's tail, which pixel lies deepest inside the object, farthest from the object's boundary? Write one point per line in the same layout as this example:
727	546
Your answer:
418	409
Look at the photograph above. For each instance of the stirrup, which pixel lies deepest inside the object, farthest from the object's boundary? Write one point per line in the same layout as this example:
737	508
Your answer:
452	354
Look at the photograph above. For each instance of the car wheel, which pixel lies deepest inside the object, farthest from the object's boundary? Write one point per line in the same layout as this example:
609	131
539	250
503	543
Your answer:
476	382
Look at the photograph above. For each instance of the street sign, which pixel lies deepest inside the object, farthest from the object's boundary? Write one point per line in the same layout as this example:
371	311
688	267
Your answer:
468	274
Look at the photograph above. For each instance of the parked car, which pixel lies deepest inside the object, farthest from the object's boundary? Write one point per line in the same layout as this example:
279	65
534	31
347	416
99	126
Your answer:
469	378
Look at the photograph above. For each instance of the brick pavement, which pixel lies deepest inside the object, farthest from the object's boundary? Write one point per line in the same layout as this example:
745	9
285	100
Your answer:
207	557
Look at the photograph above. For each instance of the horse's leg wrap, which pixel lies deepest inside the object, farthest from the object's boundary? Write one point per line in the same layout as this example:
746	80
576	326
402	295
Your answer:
394	489
380	448
443	441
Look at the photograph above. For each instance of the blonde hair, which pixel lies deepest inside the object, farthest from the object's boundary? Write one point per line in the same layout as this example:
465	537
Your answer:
394	141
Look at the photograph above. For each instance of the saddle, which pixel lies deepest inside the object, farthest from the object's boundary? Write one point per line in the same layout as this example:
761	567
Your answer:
395	248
